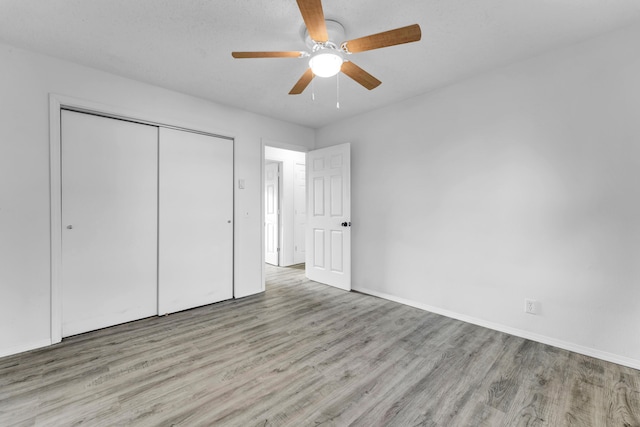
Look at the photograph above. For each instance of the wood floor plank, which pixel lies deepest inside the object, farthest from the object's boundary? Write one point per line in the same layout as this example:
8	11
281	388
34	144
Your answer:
539	387
306	354
623	391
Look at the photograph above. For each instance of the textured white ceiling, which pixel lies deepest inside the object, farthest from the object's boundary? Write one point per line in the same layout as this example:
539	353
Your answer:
185	45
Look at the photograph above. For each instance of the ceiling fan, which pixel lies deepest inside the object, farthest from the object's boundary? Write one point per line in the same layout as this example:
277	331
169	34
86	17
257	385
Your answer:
328	58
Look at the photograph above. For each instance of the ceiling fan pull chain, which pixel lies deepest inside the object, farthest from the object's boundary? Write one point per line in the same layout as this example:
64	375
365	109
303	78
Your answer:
338	91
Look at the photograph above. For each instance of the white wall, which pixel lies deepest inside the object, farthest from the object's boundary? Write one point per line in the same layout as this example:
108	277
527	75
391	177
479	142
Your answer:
293	201
26	79
520	183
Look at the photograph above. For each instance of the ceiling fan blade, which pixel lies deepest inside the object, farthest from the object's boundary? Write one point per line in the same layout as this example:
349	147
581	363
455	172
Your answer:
360	75
402	35
313	16
289	54
302	84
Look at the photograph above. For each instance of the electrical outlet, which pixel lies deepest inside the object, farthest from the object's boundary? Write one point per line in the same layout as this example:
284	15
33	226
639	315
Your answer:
530	306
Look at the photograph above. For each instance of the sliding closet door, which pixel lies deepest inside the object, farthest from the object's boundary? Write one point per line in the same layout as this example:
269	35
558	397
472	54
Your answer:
195	213
109	228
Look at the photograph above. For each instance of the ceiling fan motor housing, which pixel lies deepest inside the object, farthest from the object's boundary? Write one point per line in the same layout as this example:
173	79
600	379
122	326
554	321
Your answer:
335	30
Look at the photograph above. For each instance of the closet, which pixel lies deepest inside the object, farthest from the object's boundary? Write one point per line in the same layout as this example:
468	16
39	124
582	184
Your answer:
146	220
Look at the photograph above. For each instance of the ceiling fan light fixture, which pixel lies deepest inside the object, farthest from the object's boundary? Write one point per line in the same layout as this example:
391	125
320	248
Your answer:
326	63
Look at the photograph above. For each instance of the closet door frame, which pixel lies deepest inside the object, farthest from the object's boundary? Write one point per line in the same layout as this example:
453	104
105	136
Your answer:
57	103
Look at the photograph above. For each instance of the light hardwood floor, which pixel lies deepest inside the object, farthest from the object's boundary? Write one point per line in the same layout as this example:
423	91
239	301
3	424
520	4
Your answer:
305	354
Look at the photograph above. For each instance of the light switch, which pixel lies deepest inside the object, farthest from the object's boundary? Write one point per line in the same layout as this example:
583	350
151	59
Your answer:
241	184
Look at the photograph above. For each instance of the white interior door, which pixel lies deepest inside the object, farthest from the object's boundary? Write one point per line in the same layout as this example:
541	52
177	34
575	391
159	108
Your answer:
109	220
328	240
195	211
272	213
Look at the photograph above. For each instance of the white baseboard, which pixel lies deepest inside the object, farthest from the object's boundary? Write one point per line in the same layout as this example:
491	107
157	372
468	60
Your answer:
23	347
587	351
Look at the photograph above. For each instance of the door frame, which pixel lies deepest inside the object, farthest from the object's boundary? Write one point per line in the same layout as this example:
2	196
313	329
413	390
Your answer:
276	144
57	103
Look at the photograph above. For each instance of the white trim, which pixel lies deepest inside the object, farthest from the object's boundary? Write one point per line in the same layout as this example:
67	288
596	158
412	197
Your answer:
262	217
55	200
135	116
587	351
56	103
284	145
234	228
24	347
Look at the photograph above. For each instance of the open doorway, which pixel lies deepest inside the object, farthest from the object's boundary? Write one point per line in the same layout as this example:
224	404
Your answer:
284	206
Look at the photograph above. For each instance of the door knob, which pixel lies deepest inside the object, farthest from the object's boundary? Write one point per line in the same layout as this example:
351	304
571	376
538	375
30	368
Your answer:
346	224
69	227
